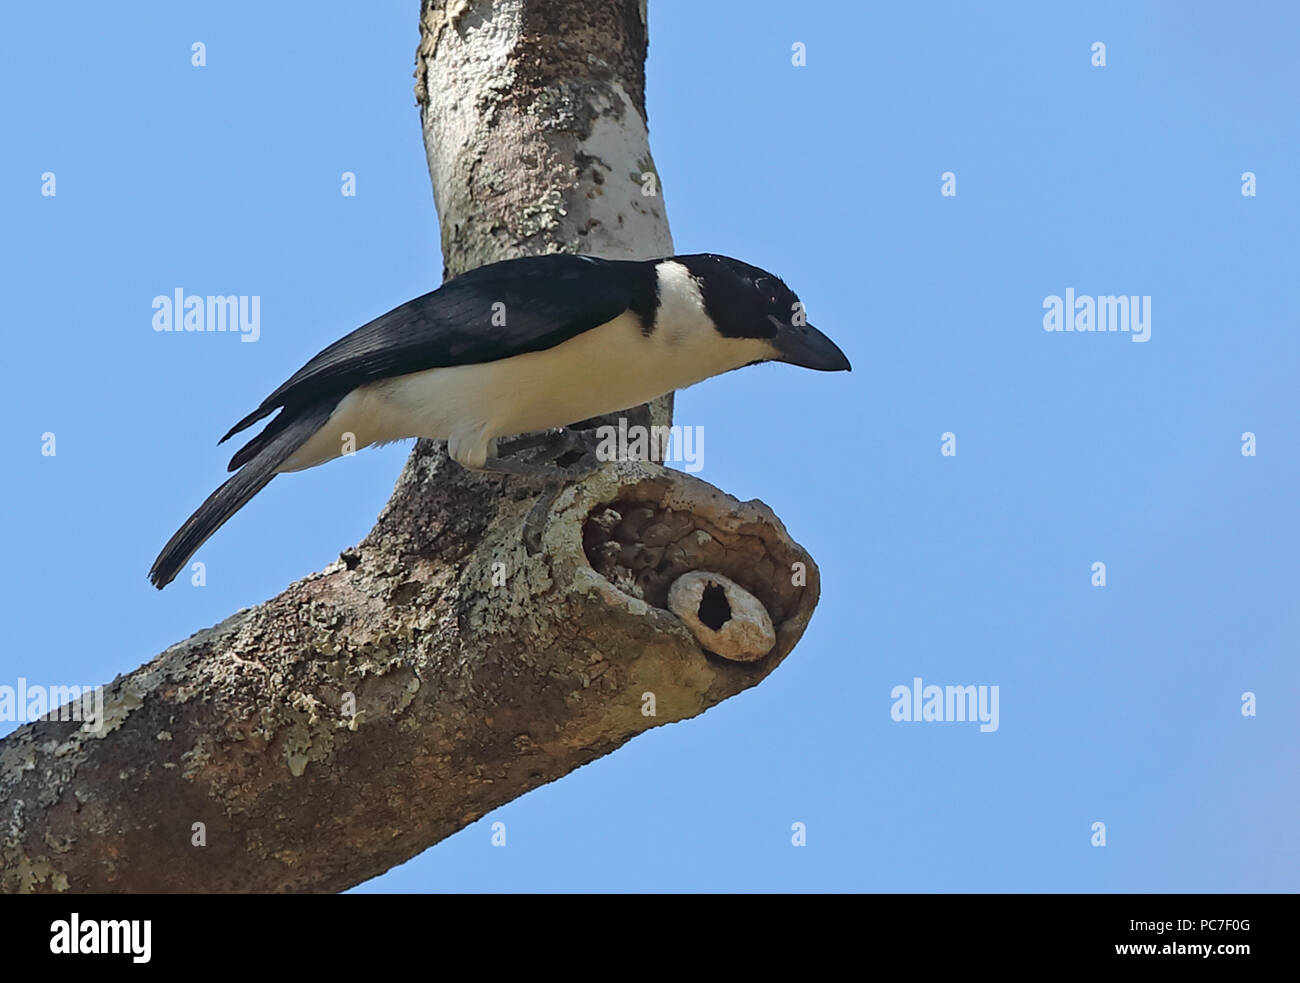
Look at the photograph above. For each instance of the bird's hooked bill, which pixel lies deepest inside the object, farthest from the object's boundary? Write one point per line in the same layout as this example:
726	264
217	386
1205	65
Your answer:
805	346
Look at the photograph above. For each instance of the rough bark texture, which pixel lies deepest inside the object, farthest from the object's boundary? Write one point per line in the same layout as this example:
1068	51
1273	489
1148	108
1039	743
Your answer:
481	640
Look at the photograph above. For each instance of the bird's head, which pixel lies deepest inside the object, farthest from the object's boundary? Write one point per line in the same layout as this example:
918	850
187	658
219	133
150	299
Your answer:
747	302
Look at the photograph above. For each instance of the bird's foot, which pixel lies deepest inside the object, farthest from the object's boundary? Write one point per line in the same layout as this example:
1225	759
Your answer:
559	454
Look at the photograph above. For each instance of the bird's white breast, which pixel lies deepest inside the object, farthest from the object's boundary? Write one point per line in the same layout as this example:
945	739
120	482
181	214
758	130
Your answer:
611	367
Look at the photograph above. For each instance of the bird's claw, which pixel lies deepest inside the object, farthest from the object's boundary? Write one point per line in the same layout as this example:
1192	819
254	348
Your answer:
548	448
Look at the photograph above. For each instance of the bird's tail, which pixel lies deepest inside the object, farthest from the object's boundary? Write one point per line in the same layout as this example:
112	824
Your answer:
232	496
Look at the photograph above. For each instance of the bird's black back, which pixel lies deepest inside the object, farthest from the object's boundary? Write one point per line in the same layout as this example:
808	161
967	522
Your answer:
545	300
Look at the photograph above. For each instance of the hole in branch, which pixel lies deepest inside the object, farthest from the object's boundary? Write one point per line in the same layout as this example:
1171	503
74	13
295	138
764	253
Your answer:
714	609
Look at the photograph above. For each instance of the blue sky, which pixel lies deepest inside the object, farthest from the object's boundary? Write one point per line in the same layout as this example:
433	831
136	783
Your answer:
1118	704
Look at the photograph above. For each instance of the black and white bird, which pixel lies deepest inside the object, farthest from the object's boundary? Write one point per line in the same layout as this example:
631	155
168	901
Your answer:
524	345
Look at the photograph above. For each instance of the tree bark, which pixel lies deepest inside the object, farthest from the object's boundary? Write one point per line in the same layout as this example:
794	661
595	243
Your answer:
483	639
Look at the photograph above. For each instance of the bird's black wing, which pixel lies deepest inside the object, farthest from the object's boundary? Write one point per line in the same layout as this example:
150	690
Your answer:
545	300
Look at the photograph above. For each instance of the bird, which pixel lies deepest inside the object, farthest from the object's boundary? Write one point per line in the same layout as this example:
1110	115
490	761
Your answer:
519	349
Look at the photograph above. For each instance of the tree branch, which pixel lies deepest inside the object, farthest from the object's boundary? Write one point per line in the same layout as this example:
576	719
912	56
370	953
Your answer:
483	639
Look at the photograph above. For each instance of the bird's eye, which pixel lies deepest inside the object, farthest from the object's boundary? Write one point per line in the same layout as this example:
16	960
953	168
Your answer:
768	288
